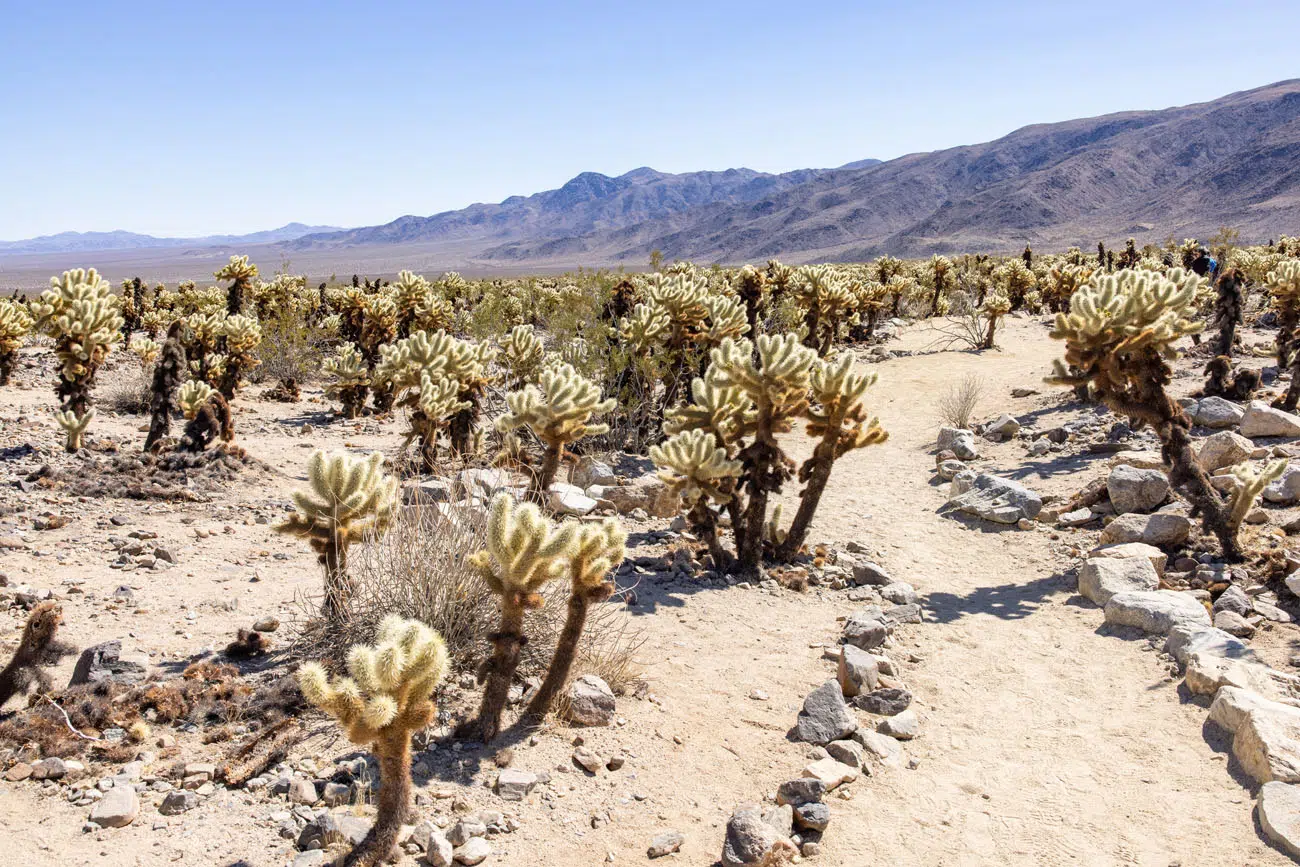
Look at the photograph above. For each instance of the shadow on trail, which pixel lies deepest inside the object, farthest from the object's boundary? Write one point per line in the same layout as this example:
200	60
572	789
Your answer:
1004	601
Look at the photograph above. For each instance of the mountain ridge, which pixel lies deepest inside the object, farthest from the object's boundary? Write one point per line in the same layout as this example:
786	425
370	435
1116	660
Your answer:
119	239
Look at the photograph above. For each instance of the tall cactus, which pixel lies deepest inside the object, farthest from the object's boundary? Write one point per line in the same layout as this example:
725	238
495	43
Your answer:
15	325
241	273
349	496
1284	285
243	335
387	696
168	375
595	551
1119	338
558	411
83	316
524	551
522	353
838	422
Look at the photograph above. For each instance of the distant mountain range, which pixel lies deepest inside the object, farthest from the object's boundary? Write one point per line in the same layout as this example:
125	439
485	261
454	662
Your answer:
1183	171
77	242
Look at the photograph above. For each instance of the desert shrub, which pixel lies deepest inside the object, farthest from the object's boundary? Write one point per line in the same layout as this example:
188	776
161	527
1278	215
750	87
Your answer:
958	402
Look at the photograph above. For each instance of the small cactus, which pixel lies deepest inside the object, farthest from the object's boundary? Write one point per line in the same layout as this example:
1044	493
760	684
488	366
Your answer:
194	393
351	379
349	496
241	273
387	696
74	426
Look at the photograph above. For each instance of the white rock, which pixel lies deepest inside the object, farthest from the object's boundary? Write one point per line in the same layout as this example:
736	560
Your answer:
1102	577
118	808
1216	412
1262	420
831	772
1267	743
475	851
1156	611
1224	449
1162	528
1186	639
569	500
1231	704
591	702
1279	816
959	441
1136	490
1285	490
1122	550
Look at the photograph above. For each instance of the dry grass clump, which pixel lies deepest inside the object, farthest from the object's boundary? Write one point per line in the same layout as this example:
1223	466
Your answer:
959	401
418	571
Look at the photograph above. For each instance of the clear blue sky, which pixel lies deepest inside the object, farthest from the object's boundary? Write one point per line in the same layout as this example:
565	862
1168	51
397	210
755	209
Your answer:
183	118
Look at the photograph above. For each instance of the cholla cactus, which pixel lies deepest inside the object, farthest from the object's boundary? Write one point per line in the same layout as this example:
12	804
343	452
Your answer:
74	426
558	411
1283	284
1250	483
351	379
1014	280
82	314
995	306
940	275
205	331
152	322
826	300
524	551
595	551
241	273
243	335
522	352
145	350
699	470
387	696
1062	282
167	376
349	496
194	393
409	293
15	325
1119	335
838	421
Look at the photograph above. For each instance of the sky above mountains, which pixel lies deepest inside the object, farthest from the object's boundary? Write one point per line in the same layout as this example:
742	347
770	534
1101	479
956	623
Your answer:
192	119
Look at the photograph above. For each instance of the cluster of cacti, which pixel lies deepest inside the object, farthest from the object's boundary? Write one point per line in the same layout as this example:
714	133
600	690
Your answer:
523	552
242	335
827	301
211	420
241	273
351	379
558	410
15	325
82	315
724	449
440	380
1120	334
1014	280
348	497
1062	282
939	274
145	350
386	697
522	353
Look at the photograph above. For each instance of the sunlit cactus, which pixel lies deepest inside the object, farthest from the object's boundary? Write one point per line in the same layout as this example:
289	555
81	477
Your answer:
838	422
596	550
409	292
15	325
1063	281
826	300
74	426
726	318
194	393
386	697
939	273
145	350
168	374
645	327
243	335
1283	284
995	306
1249	484
82	315
205	330
558	410
241	273
351	379
524	551
1119	337
348	497
751	287
699	470
522	353
1014	280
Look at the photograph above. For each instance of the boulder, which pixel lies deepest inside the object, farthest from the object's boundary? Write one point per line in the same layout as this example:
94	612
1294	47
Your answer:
825	717
569	500
1234	624
959	441
1286	489
751	842
591	702
117	809
1136	490
1076	518
866	629
1004	427
1267	743
865	572
1122	550
886	701
1231	705
1155	611
903	727
1278	809
1234	599
1262	420
996	499
882	747
858	671
1207	674
1103	577
949	469
1161	528
514	785
1188	638
1215	412
1224	449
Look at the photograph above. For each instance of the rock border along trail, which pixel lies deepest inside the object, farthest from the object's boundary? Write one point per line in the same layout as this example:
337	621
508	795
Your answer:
1043	740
